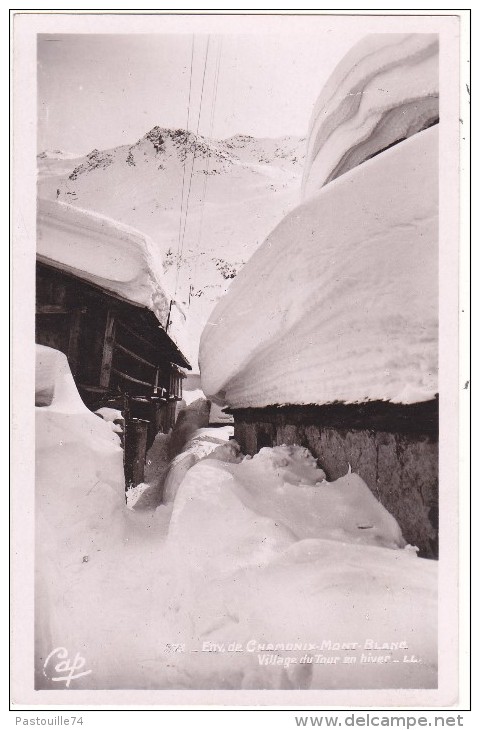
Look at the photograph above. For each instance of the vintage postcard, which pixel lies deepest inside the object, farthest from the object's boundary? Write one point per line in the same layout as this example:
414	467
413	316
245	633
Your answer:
237	393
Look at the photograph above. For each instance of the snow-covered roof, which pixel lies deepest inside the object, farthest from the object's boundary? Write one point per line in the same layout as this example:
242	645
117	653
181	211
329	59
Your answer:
340	302
103	251
111	255
384	90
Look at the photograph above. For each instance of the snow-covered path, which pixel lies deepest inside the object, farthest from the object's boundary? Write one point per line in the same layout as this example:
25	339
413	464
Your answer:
258	574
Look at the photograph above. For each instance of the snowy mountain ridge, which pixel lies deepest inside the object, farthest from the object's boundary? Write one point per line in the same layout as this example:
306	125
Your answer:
284	151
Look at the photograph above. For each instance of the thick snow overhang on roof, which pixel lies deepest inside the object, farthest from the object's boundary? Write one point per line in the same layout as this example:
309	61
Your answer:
103	251
110	255
383	91
340	303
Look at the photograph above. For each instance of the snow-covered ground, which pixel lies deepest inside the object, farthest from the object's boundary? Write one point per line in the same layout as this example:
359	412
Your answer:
52	167
259	574
340	303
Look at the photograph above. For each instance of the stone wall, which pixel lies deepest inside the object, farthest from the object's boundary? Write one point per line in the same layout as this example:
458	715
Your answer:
395	453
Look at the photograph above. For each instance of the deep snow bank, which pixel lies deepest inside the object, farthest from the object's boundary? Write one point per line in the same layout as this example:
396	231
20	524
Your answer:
200	444
384	90
340	302
281	493
172	455
260	554
79	497
283	565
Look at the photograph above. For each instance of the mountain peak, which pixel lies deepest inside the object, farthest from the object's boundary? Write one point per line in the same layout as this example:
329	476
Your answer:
158	135
185	142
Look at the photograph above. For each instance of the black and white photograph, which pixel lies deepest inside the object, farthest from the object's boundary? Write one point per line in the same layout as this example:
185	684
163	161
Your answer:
236	250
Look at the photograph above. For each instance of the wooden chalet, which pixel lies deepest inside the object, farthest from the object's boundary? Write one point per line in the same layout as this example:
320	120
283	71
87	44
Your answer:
119	354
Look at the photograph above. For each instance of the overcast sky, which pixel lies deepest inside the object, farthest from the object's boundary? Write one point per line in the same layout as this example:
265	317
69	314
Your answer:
106	90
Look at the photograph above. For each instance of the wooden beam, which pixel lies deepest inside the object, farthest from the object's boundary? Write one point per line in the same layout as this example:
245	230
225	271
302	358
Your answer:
133	355
52	309
107	355
132	332
74	340
131	379
136	432
93	388
57	309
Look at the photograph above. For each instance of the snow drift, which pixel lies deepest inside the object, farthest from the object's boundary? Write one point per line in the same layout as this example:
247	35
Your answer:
340	302
79	497
285	494
78	453
383	91
298	566
260	554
